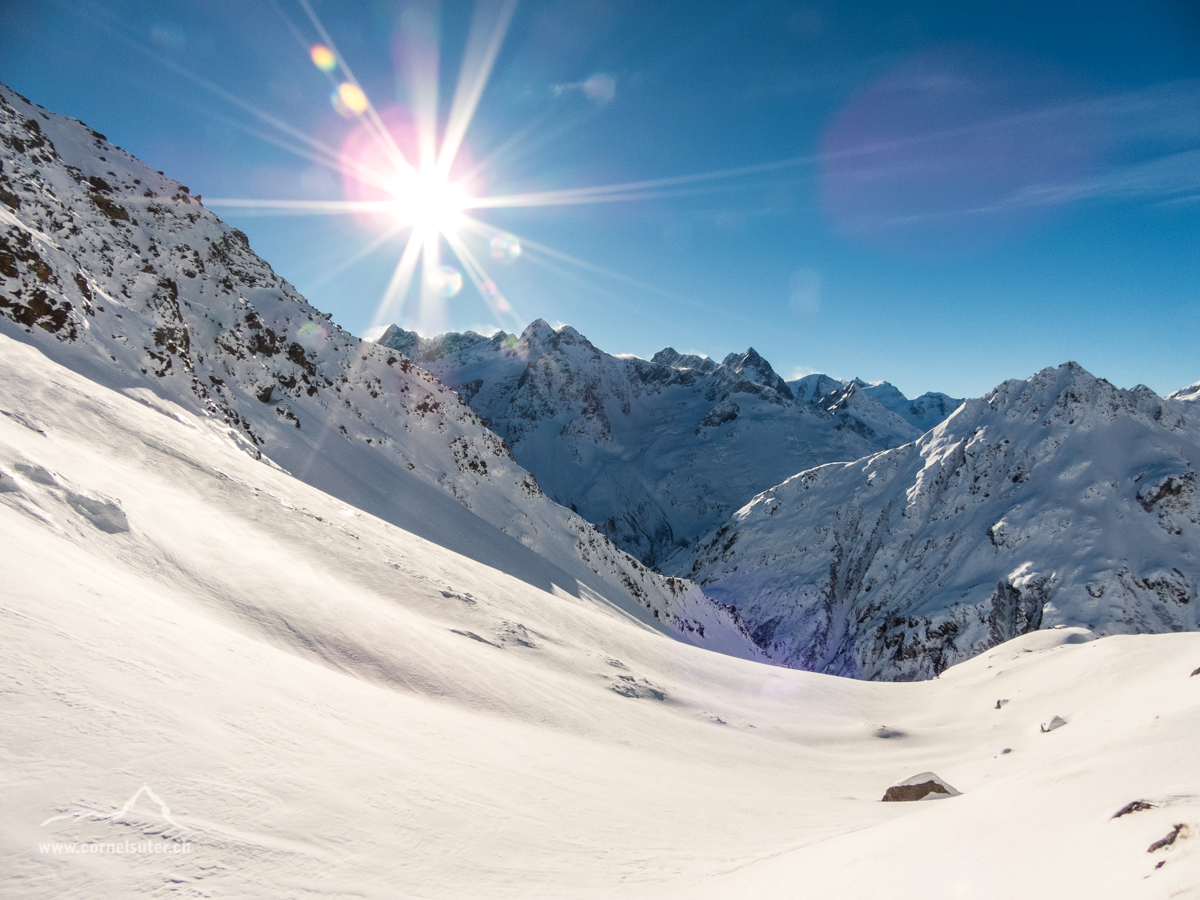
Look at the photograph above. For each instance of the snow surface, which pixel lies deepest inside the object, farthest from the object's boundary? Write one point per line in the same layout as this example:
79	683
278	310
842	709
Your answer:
332	706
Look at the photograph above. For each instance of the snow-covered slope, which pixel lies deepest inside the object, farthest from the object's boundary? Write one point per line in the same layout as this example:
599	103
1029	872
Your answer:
1060	500
117	272
1190	393
924	412
331	706
654	452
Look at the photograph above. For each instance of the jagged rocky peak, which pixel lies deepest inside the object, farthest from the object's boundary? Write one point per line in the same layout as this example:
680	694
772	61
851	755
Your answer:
811	388
398	339
669	356
1067	392
538	331
656	452
427	350
540	337
750	366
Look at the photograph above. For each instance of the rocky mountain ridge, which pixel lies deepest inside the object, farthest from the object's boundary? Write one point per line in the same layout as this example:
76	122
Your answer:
658	451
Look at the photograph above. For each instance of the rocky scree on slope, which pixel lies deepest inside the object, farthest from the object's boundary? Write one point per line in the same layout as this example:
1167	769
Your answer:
1060	500
118	272
655	452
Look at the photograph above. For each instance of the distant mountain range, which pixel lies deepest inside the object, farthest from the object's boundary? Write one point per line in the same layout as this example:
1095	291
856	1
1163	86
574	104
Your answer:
658	452
916	534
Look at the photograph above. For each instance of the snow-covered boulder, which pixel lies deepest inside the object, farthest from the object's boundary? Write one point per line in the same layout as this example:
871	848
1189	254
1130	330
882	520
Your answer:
925	786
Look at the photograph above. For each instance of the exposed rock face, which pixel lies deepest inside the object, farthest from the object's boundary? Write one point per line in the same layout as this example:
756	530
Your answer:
1059	500
119	273
655	452
925	786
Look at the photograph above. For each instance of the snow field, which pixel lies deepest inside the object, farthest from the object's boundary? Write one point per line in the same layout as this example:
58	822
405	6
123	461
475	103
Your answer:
334	706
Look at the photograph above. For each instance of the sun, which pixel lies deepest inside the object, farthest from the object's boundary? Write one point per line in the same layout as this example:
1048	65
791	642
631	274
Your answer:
427	201
409	194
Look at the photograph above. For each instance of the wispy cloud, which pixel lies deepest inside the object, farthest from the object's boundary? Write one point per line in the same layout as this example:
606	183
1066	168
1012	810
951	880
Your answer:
1144	144
601	88
1168	179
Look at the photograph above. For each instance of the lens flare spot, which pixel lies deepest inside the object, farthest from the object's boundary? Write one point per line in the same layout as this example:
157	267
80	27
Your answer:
503	305
505	248
349	100
311	336
322	57
446	281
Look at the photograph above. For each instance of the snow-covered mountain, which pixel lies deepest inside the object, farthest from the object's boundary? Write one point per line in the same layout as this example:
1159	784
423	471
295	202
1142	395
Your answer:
1060	500
119	273
658	452
1190	393
924	412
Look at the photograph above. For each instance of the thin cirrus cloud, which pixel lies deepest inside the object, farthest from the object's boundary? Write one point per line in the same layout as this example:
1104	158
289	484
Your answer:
956	150
1174	178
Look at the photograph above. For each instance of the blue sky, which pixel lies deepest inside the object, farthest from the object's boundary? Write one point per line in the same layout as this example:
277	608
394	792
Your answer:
936	194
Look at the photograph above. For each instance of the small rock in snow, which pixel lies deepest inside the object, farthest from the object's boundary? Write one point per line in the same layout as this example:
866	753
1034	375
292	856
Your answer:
1135	806
1056	722
1168	840
926	786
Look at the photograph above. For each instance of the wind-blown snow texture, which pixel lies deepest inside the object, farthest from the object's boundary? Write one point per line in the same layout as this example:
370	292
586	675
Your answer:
659	452
116	271
1057	500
